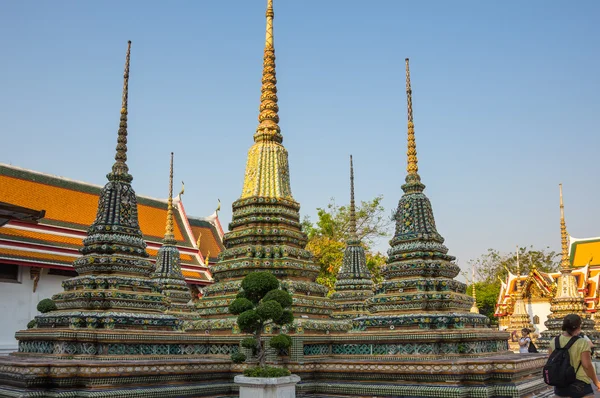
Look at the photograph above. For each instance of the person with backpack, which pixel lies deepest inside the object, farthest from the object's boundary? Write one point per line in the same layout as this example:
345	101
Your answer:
524	341
569	368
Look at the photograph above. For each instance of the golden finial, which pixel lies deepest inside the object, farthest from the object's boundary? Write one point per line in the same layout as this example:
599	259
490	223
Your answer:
169	234
473	281
412	167
564	240
352	204
218	209
207	258
268	127
120	166
413	180
182	189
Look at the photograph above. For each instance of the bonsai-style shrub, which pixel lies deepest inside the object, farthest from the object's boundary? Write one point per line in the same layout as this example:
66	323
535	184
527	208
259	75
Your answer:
259	304
46	305
31	324
238	357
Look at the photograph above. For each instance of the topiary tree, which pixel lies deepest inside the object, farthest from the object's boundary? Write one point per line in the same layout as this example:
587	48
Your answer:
46	305
262	303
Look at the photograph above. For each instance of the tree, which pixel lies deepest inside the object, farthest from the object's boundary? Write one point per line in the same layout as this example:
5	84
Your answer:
487	294
493	264
327	237
259	304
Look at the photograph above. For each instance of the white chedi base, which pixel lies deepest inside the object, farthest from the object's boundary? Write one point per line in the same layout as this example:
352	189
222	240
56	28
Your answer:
267	387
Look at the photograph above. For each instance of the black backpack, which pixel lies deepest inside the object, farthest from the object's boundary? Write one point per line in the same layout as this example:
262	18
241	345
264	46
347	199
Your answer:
532	347
558	371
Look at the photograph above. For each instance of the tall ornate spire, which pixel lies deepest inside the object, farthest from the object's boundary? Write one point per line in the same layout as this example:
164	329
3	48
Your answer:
354	283
167	271
564	237
418	289
120	169
352	204
268	128
265	230
114	257
568	299
267	169
169	235
413	180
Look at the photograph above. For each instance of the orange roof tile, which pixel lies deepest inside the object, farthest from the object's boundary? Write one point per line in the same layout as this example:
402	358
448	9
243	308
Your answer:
40	236
24	254
208	241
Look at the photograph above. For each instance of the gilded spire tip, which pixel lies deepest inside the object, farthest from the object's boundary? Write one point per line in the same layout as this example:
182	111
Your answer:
352	203
413	180
169	230
120	166
564	237
268	118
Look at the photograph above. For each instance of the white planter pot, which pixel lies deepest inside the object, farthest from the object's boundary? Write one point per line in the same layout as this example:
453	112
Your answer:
267	387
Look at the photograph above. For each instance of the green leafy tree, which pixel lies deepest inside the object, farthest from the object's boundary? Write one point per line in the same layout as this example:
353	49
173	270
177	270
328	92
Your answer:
487	294
262	303
493	265
328	235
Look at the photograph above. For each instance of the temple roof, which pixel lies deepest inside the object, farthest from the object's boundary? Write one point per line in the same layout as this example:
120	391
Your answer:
584	252
71	208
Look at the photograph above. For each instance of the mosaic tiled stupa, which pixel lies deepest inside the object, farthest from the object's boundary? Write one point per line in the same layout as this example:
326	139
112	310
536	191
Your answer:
114	288
168	273
567	300
265	231
354	283
419	290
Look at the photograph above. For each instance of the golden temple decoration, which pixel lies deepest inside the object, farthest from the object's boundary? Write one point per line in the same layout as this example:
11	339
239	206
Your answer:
169	234
564	238
267	169
182	189
412	164
474	307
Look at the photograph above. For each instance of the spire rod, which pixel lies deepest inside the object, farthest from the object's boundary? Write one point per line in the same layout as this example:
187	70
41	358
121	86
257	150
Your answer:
352	204
473	281
169	234
412	166
120	166
413	180
518	282
564	238
268	127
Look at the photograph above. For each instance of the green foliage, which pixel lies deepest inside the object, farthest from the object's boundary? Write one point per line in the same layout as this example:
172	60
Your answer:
266	371
269	310
493	265
46	305
257	284
327	237
286	318
487	295
249	342
240	305
31	324
281	296
281	341
262	304
238	357
249	321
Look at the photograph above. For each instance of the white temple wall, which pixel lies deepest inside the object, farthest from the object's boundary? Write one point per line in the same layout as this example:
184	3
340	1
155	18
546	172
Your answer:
542	310
18	304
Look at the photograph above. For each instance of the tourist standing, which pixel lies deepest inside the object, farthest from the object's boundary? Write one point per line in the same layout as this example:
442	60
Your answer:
524	341
581	360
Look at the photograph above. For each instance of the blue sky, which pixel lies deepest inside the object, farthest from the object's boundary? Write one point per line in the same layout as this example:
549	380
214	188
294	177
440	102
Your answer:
505	94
